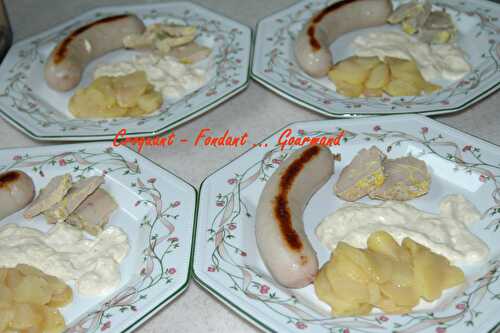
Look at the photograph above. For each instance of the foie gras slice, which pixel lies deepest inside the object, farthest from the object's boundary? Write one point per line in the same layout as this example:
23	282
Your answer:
75	196
93	214
50	195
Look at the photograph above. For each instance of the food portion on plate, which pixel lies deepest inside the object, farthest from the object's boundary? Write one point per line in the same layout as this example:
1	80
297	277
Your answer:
279	227
385	275
79	249
16	192
129	95
372	173
170	66
412	254
29	300
417	18
395	63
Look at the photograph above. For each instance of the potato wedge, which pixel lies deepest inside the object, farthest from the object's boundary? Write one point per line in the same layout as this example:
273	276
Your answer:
348	89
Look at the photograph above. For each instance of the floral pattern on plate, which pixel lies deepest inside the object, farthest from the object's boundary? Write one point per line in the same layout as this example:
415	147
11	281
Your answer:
165	207
28	104
275	67
227	262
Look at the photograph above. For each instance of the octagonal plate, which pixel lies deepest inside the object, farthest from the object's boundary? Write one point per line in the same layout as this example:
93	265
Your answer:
275	67
156	210
228	264
40	112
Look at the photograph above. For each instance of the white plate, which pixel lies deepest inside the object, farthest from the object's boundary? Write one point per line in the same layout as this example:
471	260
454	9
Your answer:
275	67
156	210
40	112
227	262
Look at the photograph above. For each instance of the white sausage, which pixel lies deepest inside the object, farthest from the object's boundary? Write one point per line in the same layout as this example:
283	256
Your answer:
16	192
65	65
313	41
279	229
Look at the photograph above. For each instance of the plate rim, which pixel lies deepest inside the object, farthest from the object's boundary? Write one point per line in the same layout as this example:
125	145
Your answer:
240	87
260	78
198	276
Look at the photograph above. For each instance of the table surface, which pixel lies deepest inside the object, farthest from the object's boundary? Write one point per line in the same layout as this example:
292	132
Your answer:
196	310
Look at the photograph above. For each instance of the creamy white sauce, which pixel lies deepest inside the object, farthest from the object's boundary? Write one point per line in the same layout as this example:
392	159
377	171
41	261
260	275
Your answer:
65	252
436	61
169	77
446	233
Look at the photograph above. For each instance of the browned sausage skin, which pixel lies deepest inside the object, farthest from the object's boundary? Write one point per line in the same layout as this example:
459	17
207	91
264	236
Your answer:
65	65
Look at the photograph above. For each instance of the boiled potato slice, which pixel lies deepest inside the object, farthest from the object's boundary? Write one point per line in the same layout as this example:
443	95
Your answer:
26	316
129	88
381	266
61	299
56	285
6	316
413	247
373	92
383	243
349	269
388	306
367	63
349	71
150	102
400	66
32	289
402	296
6	295
374	293
13	278
347	288
54	321
402	274
399	87
347	89
453	276
114	112
428	275
3	275
30	270
379	77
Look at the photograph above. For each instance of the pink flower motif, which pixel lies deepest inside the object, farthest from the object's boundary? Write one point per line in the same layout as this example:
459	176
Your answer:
243	254
301	132
445	102
383	318
327	101
17	158
232	226
264	289
62	162
219	203
276	161
424	130
377	128
268	70
171	270
173	239
175	204
106	325
137	203
441	330
483	178
104	172
238	61
231	181
235	81
460	306
300	325
211	269
151	180
346	330
467	148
